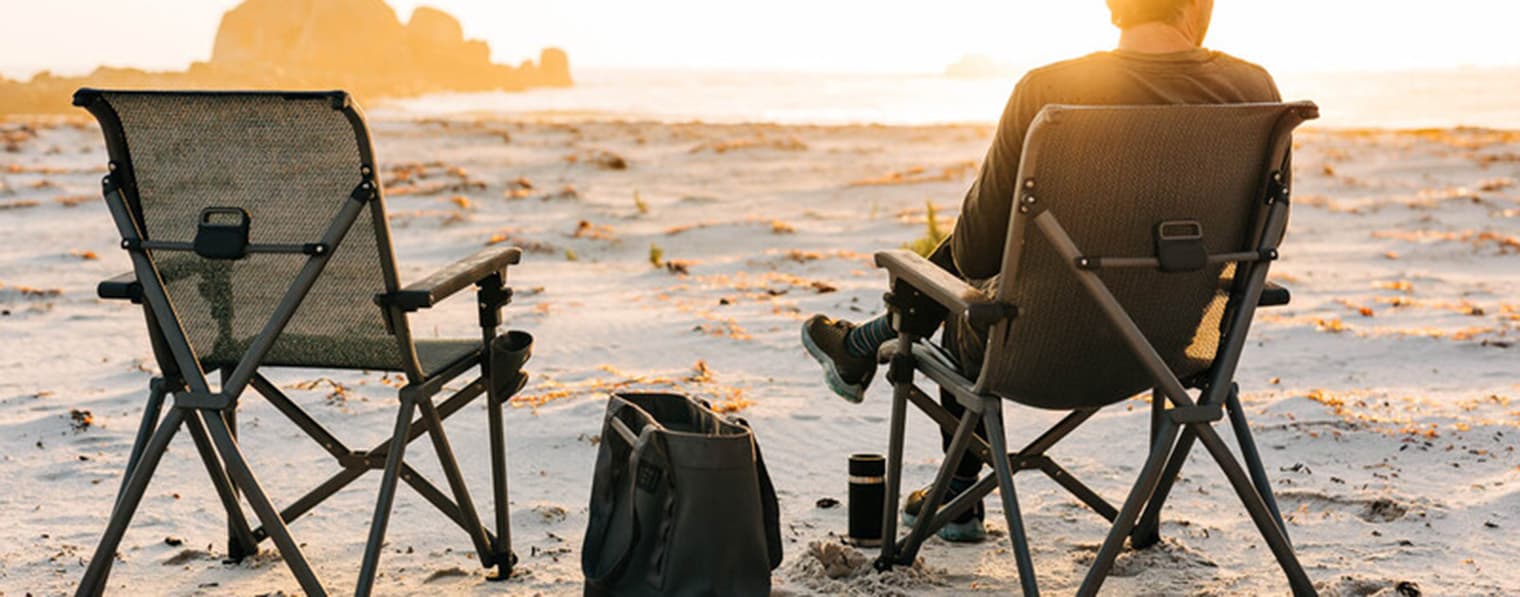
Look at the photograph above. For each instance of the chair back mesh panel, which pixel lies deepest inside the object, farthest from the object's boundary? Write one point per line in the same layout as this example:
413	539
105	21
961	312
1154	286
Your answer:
1110	175
291	162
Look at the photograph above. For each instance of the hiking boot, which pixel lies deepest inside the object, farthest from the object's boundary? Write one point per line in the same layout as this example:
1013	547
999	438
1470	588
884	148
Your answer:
847	375
966	528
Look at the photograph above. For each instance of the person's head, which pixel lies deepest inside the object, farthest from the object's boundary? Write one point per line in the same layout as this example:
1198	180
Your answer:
1191	17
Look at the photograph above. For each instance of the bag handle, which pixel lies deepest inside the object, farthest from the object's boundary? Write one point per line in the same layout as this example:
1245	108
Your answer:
631	492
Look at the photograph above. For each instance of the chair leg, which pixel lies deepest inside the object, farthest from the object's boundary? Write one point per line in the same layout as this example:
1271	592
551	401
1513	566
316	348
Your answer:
1145	487
1252	458
505	560
1148	530
931	505
455	480
992	413
389	477
240	537
238	468
901	388
157	389
237	549
95	575
1277	540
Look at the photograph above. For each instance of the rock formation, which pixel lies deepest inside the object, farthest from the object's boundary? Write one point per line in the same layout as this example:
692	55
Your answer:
356	45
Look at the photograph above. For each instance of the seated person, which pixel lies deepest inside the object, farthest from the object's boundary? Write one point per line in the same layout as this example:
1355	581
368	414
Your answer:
1159	60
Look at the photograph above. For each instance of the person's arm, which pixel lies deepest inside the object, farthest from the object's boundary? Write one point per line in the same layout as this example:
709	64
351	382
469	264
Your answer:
982	230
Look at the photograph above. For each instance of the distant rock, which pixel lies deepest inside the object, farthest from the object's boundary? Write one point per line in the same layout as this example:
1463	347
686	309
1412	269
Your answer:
978	66
357	45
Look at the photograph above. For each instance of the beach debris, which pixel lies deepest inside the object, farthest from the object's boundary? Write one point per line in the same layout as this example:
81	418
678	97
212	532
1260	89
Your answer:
585	229
679	267
1363	310
32	292
173	541
17	204
551	512
72	200
760	141
337	395
825	503
919	175
700	372
519	188
780	227
81	419
445	573
1383	510
565	193
656	256
1504	243
600	158
417	178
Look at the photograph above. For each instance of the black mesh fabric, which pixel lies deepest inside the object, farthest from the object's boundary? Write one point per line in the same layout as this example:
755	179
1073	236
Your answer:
1110	175
291	163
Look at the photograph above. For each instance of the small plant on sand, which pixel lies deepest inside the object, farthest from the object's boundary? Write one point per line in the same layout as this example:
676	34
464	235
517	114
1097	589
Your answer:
571	256
638	203
925	245
656	256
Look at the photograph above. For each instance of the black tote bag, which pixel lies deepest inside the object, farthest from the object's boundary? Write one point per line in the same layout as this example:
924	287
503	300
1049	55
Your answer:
680	504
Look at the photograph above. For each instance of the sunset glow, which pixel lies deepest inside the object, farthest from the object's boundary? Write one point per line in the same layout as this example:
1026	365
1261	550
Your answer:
791	35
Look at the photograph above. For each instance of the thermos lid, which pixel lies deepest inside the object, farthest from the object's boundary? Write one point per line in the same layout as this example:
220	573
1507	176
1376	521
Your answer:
867	465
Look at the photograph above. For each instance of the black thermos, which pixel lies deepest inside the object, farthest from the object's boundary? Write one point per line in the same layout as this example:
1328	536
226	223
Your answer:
868	497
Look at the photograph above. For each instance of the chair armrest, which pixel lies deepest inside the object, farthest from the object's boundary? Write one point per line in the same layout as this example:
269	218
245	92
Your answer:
446	282
120	288
1274	295
939	285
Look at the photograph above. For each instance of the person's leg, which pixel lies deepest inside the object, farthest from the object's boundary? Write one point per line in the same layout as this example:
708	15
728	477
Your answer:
968	346
866	338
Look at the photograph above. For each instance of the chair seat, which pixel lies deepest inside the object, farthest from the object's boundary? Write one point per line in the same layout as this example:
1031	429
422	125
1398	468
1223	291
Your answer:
435	355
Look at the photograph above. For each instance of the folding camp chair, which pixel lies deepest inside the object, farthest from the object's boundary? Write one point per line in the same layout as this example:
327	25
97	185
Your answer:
258	237
1135	260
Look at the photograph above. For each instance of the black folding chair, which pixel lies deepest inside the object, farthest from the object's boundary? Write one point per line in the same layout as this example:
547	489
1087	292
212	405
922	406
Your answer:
258	237
1136	259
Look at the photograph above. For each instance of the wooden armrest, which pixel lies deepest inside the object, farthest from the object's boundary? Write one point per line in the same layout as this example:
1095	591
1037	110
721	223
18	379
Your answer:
446	282
939	285
120	288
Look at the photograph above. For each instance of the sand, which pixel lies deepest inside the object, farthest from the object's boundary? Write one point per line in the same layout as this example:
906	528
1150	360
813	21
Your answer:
1384	397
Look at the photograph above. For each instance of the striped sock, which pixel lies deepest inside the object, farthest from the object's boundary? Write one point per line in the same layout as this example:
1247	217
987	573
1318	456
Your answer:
864	339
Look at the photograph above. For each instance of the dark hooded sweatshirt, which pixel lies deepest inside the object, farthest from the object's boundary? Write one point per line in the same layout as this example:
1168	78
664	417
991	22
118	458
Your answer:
1104	78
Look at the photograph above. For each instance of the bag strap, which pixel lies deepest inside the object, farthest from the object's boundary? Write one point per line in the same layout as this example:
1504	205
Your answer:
629	486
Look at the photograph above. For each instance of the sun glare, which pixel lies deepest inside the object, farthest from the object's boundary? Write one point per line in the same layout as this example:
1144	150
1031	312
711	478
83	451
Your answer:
806	35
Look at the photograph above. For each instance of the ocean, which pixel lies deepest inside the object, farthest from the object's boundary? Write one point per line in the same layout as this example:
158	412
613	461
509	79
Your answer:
1476	97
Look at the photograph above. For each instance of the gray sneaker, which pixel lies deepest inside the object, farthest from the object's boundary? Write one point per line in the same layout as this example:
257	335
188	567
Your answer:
967	528
847	375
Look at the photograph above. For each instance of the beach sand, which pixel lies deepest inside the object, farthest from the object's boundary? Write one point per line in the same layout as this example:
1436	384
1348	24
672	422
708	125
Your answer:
1384	398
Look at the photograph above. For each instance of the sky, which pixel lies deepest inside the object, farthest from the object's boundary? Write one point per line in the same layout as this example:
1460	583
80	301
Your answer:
74	36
